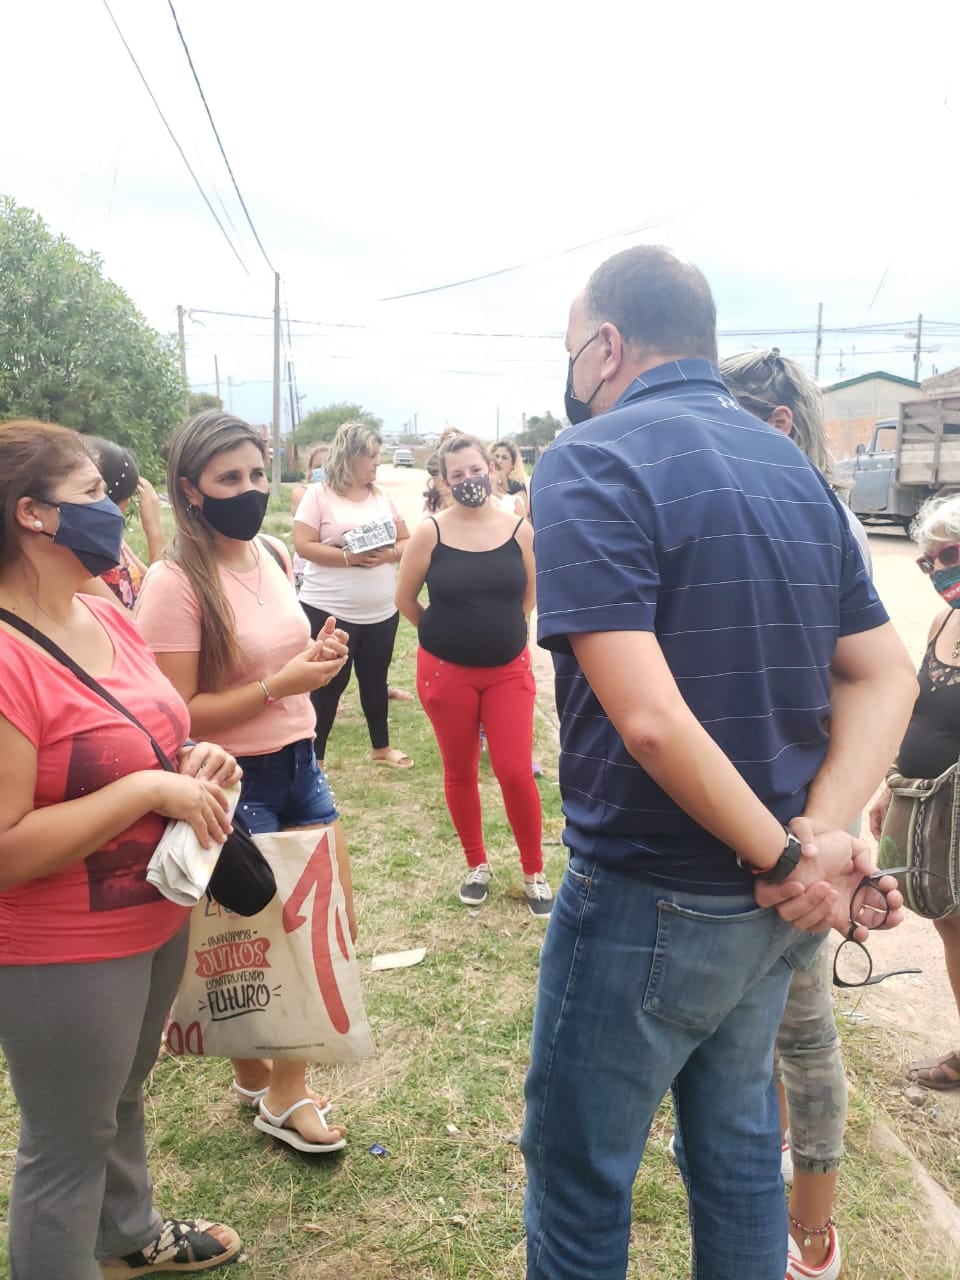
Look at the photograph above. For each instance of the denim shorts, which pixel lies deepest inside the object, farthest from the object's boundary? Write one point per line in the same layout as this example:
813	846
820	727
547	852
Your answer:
284	788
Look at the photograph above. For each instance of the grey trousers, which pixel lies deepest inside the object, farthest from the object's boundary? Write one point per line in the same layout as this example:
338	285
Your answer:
80	1039
809	1062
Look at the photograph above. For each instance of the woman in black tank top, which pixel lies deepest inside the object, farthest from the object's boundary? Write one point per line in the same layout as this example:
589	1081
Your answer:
931	743
473	664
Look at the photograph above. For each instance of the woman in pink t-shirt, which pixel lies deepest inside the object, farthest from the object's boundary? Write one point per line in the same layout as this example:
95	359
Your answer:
222	617
90	954
354	585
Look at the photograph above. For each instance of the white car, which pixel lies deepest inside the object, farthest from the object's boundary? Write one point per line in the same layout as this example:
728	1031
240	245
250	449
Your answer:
403	458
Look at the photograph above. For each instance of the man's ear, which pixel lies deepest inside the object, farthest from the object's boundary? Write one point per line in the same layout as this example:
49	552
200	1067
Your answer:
611	343
782	419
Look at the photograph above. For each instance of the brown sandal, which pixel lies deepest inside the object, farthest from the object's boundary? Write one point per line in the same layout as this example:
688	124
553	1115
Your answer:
937	1073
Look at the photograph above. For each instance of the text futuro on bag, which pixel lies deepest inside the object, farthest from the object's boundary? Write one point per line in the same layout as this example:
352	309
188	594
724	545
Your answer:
283	983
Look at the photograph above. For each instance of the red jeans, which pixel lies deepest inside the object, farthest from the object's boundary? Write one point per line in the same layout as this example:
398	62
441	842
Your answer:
458	701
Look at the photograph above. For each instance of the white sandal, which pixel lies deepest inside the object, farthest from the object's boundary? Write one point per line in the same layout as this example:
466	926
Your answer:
253	1097
267	1122
249	1097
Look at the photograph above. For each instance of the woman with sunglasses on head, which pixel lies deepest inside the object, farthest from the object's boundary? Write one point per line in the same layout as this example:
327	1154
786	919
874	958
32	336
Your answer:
812	1086
90	954
931	743
473	664
222	617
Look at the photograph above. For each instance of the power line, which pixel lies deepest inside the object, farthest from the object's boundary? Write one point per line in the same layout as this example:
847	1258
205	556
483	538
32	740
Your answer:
173	137
203	99
520	266
372	328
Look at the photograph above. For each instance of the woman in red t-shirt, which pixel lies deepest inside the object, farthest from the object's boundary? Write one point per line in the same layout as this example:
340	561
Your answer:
90	953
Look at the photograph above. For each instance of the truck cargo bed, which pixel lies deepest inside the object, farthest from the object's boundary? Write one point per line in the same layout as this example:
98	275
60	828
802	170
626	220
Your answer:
928	442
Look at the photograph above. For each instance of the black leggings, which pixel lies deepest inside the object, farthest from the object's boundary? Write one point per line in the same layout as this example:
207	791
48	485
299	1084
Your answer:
371	651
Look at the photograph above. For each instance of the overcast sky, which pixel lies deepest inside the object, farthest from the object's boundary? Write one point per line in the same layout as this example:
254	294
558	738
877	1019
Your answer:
797	153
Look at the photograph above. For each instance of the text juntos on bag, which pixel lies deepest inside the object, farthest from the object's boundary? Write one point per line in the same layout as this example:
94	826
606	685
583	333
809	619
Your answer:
283	983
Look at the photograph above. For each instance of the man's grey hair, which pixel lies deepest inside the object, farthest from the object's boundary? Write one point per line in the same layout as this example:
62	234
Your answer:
762	380
657	303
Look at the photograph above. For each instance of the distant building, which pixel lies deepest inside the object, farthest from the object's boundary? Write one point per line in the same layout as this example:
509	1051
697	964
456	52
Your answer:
942	384
852	408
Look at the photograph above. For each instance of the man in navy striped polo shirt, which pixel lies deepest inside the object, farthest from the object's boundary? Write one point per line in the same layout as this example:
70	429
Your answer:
711	620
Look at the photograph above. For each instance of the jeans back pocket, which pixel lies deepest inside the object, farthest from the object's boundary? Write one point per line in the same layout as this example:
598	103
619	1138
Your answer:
703	962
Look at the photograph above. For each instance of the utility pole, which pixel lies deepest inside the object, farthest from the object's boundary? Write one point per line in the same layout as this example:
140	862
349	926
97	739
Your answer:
293	411
216	374
498	422
816	352
183	357
916	353
276	470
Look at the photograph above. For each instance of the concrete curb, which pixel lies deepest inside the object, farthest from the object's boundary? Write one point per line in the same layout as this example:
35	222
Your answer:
944	1215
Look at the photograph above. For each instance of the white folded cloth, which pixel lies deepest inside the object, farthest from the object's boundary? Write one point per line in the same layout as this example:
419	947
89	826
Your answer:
180	868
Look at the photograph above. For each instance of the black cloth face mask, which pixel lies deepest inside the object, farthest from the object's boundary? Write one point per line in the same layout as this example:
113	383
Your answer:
239	517
472	492
578	410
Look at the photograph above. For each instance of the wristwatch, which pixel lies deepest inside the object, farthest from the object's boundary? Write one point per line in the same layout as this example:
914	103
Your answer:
785	865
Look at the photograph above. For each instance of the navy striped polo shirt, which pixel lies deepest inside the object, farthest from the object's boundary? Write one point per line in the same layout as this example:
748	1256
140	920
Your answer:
678	512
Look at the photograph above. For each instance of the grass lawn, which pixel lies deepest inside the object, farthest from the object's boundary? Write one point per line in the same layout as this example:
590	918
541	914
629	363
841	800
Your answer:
444	1094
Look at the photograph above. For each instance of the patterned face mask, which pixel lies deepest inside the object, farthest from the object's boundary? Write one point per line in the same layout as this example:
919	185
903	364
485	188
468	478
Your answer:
946	583
473	492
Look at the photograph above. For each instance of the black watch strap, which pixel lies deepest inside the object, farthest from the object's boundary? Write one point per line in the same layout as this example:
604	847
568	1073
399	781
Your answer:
786	864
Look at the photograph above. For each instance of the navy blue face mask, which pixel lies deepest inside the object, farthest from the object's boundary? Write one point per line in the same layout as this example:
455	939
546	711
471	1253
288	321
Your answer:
93	531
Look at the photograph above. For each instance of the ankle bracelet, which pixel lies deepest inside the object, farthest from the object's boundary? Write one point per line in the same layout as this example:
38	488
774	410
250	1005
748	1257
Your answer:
810	1232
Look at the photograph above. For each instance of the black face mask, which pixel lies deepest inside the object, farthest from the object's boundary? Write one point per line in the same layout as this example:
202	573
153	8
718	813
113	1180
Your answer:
239	517
472	492
578	410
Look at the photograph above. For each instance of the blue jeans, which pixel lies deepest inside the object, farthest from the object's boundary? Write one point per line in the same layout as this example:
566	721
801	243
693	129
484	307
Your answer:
639	987
284	789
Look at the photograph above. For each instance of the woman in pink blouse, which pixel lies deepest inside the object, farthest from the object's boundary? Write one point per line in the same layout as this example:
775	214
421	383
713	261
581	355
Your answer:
354	585
221	615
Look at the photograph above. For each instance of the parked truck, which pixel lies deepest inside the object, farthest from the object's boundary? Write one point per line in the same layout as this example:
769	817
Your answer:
907	461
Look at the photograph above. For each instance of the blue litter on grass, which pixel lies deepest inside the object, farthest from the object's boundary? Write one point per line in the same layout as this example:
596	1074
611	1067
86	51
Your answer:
378	1150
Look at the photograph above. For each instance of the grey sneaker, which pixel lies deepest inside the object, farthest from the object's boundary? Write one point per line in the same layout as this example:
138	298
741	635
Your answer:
473	891
539	895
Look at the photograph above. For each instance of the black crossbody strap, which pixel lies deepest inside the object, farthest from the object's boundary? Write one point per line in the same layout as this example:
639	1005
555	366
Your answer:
85	678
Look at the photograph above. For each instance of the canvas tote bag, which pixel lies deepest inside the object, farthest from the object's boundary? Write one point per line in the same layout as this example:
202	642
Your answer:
281	984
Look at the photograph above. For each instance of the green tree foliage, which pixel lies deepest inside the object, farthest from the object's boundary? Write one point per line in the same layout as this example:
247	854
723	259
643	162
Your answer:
322	424
540	431
73	347
200	400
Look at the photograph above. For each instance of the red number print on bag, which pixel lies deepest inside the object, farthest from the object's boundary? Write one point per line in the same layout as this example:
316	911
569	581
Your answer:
318	875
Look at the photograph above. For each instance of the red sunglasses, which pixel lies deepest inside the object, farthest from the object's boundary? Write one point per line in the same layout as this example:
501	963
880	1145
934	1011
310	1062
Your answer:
948	557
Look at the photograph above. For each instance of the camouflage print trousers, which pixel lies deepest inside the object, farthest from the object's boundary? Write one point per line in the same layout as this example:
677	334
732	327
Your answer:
810	1066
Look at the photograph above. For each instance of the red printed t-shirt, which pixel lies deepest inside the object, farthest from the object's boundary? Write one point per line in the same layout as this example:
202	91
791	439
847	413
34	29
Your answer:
101	907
